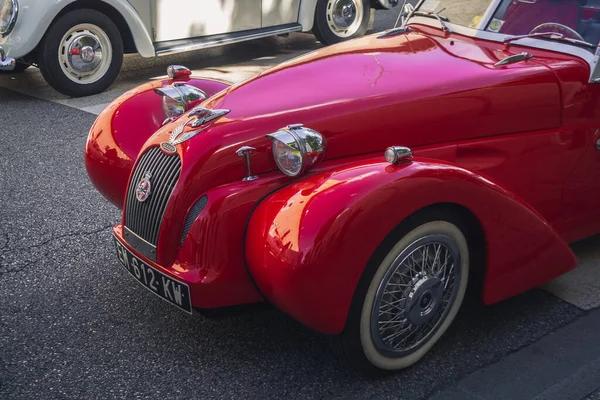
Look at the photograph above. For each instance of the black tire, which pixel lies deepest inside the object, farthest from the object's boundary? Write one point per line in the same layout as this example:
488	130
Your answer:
355	346
324	29
48	56
20	67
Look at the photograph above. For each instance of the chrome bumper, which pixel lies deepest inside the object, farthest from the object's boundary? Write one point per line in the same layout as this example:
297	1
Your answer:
6	63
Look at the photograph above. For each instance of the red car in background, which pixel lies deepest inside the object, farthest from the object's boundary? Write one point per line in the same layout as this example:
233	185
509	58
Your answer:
362	187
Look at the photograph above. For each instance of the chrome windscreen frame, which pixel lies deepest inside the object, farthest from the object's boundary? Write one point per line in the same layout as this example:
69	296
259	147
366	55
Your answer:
480	33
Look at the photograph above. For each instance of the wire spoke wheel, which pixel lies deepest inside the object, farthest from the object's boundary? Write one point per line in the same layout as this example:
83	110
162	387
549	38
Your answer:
415	295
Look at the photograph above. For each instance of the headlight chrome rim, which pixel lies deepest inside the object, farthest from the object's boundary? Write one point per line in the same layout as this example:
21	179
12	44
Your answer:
309	143
13	19
185	95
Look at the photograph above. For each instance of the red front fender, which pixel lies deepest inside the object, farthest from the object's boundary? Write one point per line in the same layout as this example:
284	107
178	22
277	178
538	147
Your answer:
307	244
121	130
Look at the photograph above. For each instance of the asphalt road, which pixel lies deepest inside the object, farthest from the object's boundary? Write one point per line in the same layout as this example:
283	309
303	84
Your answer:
74	324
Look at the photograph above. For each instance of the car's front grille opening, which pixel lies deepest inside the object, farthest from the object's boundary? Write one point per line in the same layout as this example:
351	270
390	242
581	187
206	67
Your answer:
145	217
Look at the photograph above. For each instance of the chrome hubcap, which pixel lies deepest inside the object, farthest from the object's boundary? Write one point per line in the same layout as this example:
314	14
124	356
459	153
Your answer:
344	16
415	295
85	53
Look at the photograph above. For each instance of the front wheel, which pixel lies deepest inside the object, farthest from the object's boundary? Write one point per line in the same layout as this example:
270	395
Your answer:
404	304
340	20
81	54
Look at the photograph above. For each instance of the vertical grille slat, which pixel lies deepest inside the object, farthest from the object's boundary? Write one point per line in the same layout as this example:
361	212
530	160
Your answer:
144	218
133	205
150	205
172	171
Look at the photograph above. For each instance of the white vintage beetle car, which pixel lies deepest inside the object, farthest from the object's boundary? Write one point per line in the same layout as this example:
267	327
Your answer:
79	44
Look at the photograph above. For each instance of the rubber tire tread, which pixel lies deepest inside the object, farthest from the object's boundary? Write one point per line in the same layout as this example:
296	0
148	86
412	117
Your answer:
48	56
321	28
347	345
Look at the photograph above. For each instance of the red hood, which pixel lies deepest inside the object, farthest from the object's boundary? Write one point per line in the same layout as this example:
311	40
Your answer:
365	95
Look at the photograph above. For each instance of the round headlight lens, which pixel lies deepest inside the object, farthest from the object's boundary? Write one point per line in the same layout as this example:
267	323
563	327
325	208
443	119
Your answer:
172	108
288	157
8	15
296	149
179	98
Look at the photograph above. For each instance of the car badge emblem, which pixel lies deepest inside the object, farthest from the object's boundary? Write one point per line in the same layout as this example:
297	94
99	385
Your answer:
201	118
168	148
142	192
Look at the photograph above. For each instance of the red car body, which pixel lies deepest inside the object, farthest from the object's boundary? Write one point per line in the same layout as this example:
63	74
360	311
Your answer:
513	148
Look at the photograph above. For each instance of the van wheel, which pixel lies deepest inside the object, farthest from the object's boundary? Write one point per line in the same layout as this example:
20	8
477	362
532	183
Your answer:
340	20
404	304
81	54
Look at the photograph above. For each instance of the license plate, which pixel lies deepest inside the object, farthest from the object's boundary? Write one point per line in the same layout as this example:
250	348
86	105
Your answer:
175	292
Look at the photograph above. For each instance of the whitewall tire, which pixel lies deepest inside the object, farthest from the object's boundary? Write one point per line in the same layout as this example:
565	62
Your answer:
408	300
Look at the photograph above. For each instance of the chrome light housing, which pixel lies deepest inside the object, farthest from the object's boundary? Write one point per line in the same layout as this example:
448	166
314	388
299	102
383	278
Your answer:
297	149
178	98
9	11
398	154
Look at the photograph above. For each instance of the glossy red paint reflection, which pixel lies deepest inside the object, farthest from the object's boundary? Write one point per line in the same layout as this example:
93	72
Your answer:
121	130
512	145
308	243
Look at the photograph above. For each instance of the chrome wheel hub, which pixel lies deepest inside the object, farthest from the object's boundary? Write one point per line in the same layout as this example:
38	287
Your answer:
85	53
424	299
415	295
344	16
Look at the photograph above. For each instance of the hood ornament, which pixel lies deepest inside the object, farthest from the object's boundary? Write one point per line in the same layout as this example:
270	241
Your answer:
201	118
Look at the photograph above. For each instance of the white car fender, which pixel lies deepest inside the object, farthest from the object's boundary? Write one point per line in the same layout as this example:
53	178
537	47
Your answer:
141	36
35	17
306	15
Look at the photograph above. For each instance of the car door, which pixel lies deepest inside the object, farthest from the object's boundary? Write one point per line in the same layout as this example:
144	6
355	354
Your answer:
582	190
279	12
185	19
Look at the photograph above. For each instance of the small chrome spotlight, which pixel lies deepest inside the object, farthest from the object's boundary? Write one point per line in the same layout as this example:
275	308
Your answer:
398	154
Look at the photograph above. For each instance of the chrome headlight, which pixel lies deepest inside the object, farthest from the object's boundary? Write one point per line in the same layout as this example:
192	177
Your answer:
9	10
296	149
178	98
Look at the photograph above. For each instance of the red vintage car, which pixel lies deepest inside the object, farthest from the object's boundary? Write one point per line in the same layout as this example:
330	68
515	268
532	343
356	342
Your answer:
361	187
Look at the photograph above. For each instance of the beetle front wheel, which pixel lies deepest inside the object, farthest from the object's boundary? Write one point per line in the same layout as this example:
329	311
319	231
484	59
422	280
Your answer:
340	20
407	301
81	54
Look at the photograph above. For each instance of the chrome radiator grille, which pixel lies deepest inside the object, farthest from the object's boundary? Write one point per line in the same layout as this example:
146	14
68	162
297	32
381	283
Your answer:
143	218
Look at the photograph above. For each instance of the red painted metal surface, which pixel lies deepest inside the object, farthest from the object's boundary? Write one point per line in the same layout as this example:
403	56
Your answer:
120	131
527	126
308	243
589	12
368	100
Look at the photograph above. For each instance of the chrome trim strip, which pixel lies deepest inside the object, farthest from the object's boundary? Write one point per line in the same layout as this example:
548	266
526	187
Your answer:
487	16
227	40
481	33
499	37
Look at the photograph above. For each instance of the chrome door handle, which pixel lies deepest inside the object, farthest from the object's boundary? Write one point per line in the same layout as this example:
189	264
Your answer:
514	59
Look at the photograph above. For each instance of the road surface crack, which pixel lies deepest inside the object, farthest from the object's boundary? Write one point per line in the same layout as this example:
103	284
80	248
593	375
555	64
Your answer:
18	265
